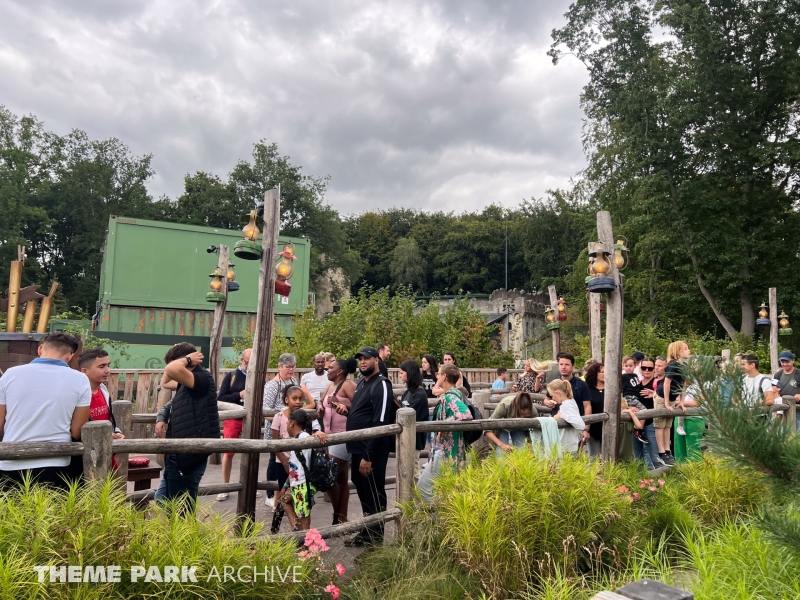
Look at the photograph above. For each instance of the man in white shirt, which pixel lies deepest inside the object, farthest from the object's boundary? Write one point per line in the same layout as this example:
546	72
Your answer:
44	401
757	387
317	380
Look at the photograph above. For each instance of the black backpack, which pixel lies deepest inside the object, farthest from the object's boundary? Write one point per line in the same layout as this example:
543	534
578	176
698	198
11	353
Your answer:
470	437
323	470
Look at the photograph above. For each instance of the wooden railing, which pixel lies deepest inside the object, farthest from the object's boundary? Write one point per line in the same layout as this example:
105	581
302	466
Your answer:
97	446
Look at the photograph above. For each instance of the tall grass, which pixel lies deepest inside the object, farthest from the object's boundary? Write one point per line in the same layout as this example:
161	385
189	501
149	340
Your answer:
512	519
96	526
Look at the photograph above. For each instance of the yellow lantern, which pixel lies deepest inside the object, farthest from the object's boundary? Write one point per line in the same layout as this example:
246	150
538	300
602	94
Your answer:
599	268
248	247
784	324
763	315
284	270
550	318
217	281
233	285
621	252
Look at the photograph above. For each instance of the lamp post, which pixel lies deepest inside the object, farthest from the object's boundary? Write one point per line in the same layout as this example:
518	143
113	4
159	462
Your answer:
508	309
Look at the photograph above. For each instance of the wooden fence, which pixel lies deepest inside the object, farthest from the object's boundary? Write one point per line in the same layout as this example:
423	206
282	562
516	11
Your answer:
97	446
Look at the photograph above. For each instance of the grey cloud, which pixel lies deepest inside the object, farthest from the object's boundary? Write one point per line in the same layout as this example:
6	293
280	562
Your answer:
448	104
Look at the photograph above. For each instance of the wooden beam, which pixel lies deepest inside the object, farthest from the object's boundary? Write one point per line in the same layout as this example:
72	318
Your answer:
773	330
218	326
556	333
613	354
259	359
595	327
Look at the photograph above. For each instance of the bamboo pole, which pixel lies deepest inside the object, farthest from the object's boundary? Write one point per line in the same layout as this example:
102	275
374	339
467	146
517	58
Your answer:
773	329
259	360
14	281
44	311
555	332
215	344
30	316
613	355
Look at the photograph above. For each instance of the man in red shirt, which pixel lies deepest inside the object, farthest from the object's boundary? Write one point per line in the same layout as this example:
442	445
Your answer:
95	364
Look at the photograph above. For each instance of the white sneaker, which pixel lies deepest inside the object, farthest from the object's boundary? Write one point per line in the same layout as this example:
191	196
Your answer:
269	502
222	496
680	431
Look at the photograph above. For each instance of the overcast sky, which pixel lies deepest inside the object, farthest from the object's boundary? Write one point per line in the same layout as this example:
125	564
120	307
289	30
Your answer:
449	104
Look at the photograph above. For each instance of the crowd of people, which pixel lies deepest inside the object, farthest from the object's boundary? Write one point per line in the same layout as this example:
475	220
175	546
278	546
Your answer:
354	394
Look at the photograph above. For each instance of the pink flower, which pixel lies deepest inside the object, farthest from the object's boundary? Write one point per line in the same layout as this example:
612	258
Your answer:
642	486
636	496
622	489
333	590
340	569
652	488
312	537
303	554
630	498
661	482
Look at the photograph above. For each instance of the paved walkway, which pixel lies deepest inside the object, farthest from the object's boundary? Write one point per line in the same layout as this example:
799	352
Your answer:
321	515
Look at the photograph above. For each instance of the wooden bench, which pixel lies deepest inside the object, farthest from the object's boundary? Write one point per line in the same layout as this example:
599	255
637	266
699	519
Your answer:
142	478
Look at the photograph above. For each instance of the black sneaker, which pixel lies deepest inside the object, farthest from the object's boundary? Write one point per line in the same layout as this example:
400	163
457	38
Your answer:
639	435
666	458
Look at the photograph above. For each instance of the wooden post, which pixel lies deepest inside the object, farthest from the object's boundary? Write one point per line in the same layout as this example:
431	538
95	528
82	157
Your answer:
595	327
479	399
613	355
556	332
215	347
259	359
791	414
726	354
44	312
122	415
773	329
406	455
14	281
96	438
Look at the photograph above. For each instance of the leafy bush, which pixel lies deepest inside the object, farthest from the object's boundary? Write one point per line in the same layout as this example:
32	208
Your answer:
95	525
512	519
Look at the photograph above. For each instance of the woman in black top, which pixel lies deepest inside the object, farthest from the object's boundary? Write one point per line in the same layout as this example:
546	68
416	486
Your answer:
429	371
416	398
596	380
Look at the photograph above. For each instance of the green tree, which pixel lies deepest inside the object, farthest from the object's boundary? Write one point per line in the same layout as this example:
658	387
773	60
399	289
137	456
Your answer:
692	142
406	268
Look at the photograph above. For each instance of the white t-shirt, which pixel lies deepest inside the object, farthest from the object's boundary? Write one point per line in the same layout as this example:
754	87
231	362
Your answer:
751	393
296	467
571	436
316	384
40	398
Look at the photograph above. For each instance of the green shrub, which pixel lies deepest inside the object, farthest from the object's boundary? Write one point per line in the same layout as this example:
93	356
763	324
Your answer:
512	519
714	492
418	567
96	526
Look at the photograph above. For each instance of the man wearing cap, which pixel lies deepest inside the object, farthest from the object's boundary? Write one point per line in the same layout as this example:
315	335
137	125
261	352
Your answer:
372	406
788	377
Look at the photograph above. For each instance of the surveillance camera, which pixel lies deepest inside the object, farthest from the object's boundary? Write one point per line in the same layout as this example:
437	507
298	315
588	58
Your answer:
212	249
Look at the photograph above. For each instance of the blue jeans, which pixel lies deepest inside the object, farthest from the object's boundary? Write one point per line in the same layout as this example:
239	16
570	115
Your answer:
649	453
512	437
429	473
176	484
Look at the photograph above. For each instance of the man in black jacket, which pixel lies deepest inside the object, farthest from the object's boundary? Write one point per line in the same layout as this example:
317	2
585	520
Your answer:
373	405
232	391
193	414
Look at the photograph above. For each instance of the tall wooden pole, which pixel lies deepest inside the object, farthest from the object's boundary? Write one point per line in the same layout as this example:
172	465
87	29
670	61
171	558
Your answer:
556	332
259	360
613	356
14	281
773	329
215	348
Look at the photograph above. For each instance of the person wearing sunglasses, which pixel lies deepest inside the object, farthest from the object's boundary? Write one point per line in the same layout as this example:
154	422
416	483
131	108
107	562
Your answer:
788	377
647	392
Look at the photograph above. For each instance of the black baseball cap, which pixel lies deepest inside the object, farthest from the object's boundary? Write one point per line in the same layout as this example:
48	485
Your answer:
638	356
367	352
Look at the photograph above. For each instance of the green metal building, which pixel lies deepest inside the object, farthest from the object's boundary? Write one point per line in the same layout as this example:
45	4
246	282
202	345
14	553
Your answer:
153	286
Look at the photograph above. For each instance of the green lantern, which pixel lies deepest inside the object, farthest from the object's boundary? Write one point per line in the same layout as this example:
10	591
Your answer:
784	324
248	248
217	281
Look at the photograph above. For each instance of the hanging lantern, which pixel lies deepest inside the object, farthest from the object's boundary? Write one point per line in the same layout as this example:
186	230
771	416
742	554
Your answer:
248	248
233	285
550	318
763	315
284	270
621	252
562	310
599	268
217	281
784	324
